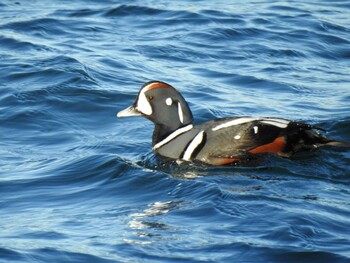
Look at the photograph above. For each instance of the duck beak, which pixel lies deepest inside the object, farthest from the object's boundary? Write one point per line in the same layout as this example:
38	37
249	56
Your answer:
129	112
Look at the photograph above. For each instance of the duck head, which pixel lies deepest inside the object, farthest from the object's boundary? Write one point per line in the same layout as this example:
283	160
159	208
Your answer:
163	105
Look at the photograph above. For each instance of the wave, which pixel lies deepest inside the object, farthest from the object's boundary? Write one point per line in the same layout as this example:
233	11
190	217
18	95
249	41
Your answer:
78	184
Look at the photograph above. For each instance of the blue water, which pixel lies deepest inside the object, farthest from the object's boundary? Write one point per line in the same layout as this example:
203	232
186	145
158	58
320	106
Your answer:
79	185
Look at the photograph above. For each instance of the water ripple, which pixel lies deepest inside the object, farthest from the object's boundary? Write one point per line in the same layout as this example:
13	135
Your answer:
79	185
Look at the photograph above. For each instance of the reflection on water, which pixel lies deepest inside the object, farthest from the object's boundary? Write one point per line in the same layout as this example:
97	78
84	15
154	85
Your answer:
145	223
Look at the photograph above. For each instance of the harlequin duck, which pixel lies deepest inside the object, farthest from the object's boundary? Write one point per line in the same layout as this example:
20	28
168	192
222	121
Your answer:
221	141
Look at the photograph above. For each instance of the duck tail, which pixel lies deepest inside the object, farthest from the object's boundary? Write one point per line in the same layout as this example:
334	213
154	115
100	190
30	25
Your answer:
334	143
321	140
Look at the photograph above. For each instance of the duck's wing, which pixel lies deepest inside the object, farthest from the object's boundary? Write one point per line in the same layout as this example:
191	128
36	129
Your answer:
232	139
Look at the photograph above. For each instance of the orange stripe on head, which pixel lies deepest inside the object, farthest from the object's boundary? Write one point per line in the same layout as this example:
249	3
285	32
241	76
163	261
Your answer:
156	85
274	147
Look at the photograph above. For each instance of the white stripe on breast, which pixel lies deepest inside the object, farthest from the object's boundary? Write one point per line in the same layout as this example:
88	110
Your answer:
172	136
193	145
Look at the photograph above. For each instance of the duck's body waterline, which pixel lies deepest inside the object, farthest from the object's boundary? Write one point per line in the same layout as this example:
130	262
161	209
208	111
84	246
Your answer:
221	141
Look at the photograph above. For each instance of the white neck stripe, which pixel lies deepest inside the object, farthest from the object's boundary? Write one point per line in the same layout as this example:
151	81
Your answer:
179	111
172	136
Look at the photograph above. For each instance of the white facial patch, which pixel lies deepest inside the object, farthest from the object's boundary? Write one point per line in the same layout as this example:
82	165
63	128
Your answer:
143	104
237	137
255	129
169	101
181	115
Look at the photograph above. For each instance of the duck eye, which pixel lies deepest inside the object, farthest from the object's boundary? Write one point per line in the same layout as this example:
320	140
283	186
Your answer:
150	97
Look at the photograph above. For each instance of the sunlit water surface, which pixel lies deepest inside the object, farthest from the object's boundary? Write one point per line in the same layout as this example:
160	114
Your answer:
79	185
